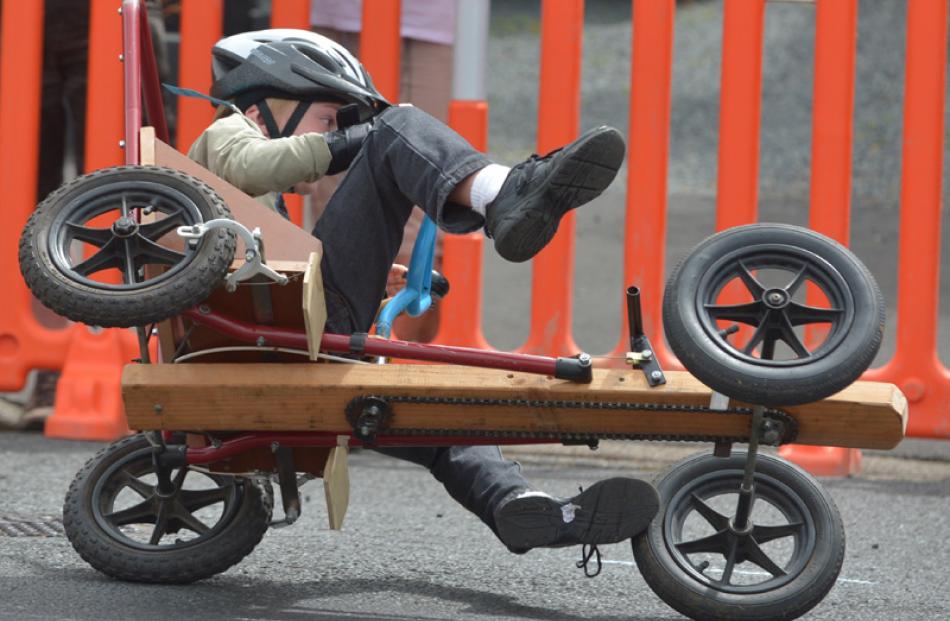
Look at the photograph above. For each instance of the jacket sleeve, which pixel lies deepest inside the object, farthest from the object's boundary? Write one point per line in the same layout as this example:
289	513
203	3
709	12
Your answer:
235	149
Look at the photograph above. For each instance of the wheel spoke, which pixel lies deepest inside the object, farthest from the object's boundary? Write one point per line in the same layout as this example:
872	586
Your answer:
161	524
189	520
139	486
799	314
107	256
192	500
750	313
154	231
768	347
764	534
142	513
96	237
716	543
753	285
757	336
153	253
796	282
787	334
125	206
752	552
715	519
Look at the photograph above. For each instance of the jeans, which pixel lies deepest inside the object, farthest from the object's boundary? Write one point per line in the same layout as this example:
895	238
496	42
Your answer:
409	159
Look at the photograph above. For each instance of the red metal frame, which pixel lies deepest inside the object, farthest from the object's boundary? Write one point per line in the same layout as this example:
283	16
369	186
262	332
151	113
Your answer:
375	346
325	439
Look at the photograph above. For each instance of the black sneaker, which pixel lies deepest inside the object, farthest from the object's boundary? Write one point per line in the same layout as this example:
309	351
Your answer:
538	192
608	511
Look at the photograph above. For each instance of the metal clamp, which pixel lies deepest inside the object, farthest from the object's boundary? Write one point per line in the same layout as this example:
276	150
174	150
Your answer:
254	264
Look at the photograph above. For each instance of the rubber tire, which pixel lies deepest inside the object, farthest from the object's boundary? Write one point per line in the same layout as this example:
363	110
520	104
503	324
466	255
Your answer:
108	307
202	560
780	385
698	601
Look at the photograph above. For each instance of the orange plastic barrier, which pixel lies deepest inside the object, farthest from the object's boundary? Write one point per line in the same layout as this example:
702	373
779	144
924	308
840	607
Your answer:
916	368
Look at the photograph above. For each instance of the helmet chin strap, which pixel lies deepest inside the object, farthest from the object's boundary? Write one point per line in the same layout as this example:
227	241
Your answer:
272	129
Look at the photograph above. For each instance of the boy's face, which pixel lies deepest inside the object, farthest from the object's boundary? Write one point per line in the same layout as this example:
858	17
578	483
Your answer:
320	117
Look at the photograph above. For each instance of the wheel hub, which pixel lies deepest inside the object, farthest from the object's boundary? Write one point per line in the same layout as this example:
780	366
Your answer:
124	227
776	298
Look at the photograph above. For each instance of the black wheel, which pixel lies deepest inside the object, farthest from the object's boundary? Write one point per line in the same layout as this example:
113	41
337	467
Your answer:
85	255
119	523
814	314
779	567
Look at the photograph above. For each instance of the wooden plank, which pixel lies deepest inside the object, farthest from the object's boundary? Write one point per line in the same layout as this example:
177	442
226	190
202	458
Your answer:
336	483
314	305
147	146
306	397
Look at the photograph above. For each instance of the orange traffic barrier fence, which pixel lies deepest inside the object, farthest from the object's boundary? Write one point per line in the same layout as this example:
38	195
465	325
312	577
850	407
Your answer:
915	367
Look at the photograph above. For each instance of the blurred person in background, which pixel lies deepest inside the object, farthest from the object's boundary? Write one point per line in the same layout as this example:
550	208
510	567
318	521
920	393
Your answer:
61	157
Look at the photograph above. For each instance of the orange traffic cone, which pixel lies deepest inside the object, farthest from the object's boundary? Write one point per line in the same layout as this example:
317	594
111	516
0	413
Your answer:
824	461
88	396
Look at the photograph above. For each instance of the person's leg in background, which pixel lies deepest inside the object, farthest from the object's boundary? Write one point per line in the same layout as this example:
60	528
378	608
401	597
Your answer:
426	82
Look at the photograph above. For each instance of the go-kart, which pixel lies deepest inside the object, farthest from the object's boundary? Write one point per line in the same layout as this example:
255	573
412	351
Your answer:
773	323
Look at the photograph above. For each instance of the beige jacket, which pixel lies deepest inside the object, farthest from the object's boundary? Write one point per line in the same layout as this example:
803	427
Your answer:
235	149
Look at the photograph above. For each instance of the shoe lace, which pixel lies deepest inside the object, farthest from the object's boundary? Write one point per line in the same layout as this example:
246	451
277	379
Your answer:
588	552
528	168
530	165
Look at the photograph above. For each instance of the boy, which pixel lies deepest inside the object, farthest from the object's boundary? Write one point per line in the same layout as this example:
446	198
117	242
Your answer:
289	88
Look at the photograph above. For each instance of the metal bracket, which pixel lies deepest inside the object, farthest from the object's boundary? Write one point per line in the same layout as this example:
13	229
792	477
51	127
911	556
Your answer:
642	358
289	484
254	264
641	352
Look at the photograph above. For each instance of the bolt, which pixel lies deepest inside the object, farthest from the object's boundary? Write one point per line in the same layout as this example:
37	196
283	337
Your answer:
656	375
121	144
274	446
249	255
775	298
158	407
584	360
121	58
260	341
120	10
646	354
204	309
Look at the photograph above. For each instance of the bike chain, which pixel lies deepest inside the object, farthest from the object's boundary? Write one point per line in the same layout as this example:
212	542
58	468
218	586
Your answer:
786	422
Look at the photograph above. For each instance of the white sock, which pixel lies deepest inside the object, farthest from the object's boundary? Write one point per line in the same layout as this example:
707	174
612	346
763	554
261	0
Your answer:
486	185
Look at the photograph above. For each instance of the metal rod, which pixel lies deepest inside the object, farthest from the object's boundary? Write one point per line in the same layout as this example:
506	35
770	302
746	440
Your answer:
634	316
240	444
747	491
375	346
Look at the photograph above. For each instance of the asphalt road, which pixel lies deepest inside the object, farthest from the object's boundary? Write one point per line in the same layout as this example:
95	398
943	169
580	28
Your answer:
408	551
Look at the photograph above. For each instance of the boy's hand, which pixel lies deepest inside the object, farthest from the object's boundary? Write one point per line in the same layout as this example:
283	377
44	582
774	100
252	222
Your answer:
344	144
396	280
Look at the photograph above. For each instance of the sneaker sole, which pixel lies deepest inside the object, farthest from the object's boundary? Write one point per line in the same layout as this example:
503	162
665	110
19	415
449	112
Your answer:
610	511
584	171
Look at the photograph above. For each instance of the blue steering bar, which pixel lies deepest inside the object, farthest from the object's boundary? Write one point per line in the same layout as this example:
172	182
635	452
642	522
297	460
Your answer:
415	298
